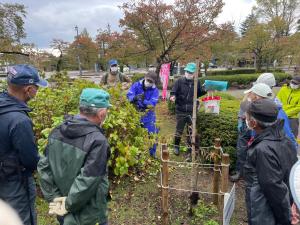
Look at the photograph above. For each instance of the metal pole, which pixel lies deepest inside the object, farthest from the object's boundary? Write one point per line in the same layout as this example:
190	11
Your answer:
78	58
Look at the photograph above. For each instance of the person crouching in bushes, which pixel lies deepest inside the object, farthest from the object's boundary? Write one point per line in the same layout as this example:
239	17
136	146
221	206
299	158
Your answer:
144	95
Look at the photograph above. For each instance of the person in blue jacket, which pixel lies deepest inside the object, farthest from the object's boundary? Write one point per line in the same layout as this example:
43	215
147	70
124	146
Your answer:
144	95
18	150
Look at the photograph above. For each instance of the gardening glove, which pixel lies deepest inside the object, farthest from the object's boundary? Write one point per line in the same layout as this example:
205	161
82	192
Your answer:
58	206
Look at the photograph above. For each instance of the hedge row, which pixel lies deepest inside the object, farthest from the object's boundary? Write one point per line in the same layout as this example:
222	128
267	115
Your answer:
237	71
245	79
233	80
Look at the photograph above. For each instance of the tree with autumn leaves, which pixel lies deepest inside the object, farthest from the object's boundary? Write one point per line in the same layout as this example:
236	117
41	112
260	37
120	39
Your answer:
168	32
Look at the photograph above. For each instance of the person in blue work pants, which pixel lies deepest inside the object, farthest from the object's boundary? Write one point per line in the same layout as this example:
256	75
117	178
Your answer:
144	95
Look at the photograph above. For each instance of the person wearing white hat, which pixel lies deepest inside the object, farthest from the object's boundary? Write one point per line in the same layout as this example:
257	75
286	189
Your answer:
266	78
261	89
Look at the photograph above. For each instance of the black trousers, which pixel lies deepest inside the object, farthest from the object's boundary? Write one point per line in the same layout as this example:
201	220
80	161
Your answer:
241	150
183	119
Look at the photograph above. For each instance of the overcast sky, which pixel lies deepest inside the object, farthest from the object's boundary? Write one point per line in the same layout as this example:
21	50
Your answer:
48	19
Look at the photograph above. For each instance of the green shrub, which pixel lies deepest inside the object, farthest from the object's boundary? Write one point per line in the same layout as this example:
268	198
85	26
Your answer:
137	76
223	126
129	142
237	71
171	107
244	79
230	72
3	85
205	212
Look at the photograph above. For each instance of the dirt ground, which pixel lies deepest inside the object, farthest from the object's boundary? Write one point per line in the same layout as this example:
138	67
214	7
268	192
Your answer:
138	200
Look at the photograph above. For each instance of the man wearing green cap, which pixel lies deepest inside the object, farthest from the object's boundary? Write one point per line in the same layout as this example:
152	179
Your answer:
73	172
182	94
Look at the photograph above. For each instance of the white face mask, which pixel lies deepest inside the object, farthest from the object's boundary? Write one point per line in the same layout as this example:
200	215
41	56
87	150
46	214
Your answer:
247	124
114	69
294	86
189	76
249	99
148	84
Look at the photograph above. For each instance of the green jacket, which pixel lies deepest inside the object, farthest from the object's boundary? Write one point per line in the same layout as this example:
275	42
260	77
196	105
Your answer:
290	99
75	165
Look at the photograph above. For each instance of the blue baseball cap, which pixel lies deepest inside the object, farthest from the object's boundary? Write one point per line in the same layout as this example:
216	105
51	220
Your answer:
95	97
113	62
23	74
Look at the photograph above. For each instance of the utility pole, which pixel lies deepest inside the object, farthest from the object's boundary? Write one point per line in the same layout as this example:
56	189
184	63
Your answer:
78	58
108	28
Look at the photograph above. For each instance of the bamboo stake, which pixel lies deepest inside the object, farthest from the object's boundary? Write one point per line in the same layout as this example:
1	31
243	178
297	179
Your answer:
224	184
165	185
194	195
216	178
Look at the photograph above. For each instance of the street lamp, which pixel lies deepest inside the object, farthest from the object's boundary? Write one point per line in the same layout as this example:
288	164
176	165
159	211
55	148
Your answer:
78	58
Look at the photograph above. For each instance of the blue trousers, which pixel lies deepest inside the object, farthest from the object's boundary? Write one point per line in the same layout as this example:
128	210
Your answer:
21	197
152	129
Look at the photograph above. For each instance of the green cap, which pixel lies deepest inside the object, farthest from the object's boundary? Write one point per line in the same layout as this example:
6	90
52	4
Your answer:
190	67
94	97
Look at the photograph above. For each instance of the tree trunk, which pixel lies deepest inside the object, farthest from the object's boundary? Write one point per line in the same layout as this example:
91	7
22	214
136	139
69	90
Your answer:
59	64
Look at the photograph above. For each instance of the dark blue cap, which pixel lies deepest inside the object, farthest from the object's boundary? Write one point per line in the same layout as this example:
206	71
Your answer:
23	74
113	62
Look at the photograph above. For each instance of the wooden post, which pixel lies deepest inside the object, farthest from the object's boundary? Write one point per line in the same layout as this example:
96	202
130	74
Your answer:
224	183
195	111
216	178
165	185
194	195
